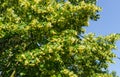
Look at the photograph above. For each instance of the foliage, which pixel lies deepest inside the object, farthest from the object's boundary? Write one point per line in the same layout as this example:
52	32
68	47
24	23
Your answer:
114	74
45	38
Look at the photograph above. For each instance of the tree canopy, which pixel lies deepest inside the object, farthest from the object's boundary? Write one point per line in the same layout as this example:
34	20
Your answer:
46	38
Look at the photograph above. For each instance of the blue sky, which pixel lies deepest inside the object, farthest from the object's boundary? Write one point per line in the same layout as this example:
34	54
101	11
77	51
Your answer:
107	24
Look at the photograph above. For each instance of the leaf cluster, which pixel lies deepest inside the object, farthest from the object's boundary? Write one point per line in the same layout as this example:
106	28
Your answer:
44	38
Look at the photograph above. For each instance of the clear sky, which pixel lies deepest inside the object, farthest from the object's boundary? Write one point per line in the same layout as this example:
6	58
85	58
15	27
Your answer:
107	24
